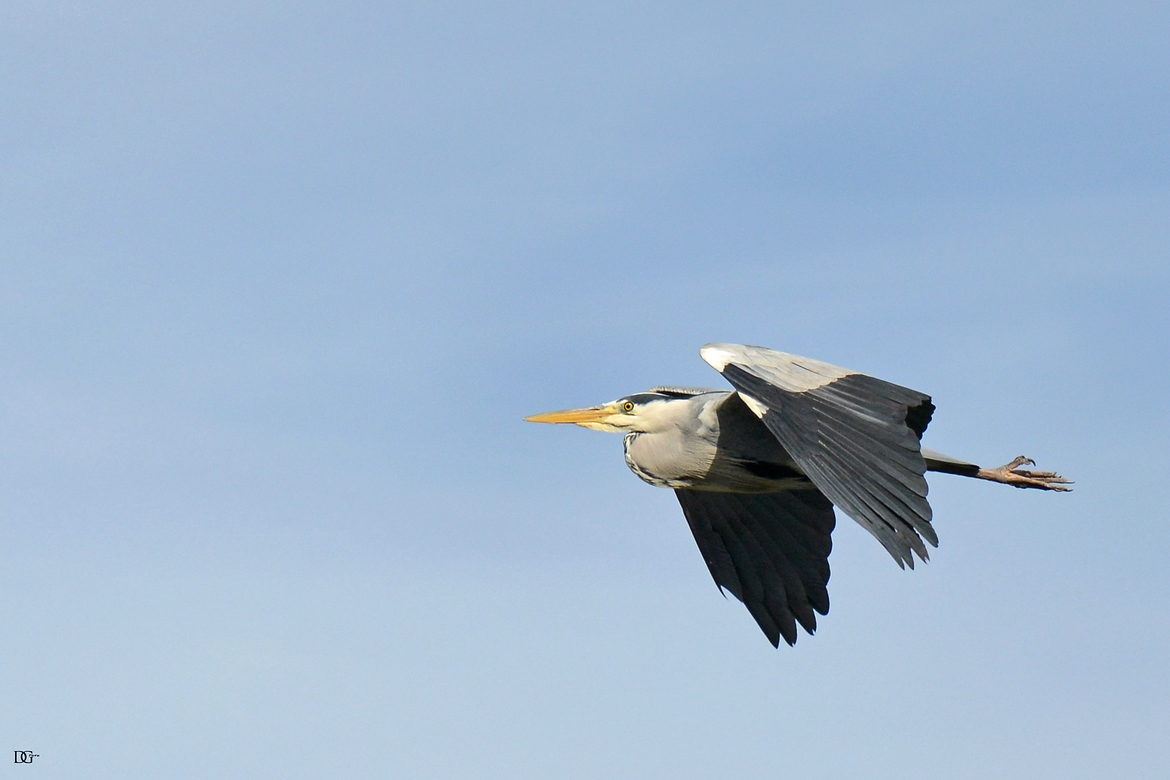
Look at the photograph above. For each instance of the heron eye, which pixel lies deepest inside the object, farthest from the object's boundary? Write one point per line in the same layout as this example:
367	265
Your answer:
628	407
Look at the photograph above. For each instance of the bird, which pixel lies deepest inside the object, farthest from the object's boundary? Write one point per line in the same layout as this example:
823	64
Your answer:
759	469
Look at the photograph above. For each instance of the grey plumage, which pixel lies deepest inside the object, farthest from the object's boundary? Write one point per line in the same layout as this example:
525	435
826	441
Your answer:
855	436
757	471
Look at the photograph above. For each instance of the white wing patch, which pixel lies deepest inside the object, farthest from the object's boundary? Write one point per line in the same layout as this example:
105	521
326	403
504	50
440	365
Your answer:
758	409
792	373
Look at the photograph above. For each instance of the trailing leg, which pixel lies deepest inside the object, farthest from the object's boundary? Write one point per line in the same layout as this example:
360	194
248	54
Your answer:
1012	474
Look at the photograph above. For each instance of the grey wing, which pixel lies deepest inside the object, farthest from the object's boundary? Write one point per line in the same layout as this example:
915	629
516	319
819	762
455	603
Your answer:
771	550
856	437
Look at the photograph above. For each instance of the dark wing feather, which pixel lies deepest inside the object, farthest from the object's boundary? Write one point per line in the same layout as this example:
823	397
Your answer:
856	437
771	550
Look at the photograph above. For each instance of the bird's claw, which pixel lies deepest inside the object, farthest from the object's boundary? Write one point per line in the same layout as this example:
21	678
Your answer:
1012	474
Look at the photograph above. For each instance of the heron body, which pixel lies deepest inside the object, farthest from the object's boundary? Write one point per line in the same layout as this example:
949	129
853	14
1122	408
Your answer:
758	470
707	440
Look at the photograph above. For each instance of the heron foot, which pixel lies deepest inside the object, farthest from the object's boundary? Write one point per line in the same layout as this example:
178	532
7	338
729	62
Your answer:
1012	474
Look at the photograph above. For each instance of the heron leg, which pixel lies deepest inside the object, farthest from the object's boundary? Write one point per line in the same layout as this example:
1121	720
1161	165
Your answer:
1012	474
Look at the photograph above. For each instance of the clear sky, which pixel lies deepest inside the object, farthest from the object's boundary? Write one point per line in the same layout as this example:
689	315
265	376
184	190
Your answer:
279	281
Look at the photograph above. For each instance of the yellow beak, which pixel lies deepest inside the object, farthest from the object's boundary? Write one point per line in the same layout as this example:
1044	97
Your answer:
590	414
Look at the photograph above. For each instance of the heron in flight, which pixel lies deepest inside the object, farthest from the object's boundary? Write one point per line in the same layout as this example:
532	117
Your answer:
758	470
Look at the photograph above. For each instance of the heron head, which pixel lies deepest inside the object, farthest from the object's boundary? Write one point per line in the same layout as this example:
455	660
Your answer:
640	413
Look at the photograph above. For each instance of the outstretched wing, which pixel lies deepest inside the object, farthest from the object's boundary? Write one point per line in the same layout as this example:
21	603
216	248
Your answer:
854	436
771	550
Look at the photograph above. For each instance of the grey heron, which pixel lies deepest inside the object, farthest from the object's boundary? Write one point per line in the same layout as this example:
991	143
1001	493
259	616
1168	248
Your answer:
758	470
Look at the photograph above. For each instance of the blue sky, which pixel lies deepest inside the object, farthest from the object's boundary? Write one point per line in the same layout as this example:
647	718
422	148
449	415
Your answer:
280	281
